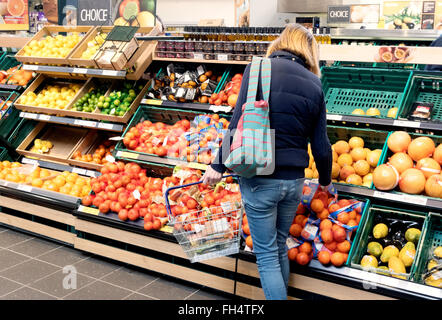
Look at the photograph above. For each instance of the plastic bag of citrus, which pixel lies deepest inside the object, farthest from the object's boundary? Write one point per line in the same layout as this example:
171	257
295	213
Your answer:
323	227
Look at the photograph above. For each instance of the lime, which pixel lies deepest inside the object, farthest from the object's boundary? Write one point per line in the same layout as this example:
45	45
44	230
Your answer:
121	113
100	105
101	98
106	105
117	102
107	99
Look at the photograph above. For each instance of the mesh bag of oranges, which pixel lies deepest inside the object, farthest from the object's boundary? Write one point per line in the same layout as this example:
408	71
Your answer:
323	226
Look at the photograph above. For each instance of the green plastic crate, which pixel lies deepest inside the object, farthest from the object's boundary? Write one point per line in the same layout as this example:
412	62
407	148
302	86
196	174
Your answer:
373	139
387	154
4	155
346	89
353	64
432	238
10	116
403	66
424	87
8	61
375	215
20	133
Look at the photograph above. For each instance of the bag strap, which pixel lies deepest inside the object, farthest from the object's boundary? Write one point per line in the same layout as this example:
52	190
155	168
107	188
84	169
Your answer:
266	75
253	81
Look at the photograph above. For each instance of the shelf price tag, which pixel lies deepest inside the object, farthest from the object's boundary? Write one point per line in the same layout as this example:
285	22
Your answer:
89	210
198	56
117	138
387	195
79	171
23	187
216	109
85	123
222	57
335	117
29	161
109	73
110	159
44	117
410	124
198	166
93	174
79	70
105	126
415	199
167	229
153	102
30	67
28	115
130	155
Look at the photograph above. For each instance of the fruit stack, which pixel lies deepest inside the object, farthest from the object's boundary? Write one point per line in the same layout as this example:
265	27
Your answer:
229	95
93	46
16	76
391	247
56	96
353	163
434	265
374	112
196	141
65	182
98	156
414	166
52	47
323	227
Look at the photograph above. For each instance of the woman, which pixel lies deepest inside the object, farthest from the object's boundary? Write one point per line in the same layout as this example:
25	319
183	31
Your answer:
298	115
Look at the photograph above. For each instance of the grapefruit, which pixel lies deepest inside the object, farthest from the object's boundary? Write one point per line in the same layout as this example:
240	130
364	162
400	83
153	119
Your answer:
398	141
412	181
428	166
420	148
433	186
385	177
341	147
401	161
438	154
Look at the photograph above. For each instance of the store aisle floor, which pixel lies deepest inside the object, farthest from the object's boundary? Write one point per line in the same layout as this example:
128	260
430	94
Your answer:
34	268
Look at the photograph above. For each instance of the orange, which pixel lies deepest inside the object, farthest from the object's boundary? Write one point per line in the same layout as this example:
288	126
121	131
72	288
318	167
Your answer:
249	242
327	235
306	248
343	203
246	229
352	223
295	230
300	209
325	224
352	215
337	259
324	257
343	246
317	205
339	234
304	222
302	258
292	253
358	218
334	207
323	215
299	218
331	246
343	217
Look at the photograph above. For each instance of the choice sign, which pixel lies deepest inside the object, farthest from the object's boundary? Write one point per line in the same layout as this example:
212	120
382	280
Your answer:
338	14
94	13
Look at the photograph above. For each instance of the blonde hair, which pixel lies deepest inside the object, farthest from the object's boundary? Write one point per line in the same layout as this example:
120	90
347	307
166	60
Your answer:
298	40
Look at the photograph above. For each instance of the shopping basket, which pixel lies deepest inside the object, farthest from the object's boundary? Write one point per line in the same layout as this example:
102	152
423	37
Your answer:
205	233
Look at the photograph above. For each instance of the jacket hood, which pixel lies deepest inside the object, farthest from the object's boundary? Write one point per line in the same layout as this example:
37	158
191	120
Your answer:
289	56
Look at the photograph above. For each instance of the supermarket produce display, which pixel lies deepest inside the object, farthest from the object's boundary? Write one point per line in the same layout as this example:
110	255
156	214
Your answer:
100	152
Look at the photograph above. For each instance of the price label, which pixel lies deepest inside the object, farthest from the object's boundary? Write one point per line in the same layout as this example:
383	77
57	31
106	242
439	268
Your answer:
411	124
110	158
79	70
23	187
79	171
335	117
130	155
291	243
116	138
415	199
90	173
109	73
29	115
108	126
386	195
85	123
137	195
153	102
44	117
29	161
220	108
198	166
223	57
198	56
167	229
89	210
30	67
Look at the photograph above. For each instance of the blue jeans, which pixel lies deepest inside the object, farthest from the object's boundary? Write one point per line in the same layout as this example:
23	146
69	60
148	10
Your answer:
270	206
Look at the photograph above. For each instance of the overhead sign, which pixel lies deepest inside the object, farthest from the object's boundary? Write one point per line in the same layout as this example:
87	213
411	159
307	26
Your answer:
94	13
338	14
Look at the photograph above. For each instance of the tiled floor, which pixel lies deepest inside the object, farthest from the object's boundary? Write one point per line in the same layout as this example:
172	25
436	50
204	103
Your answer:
34	268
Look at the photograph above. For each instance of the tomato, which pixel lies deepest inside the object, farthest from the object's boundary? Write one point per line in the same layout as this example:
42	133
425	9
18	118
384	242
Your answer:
133	214
120	166
143	212
117	207
125	180
112	206
148	217
110	188
209	200
143	203
145	194
161	151
97	201
96	188
86	201
122	199
130	187
131	200
156	224
123	214
104	208
148	226
191	204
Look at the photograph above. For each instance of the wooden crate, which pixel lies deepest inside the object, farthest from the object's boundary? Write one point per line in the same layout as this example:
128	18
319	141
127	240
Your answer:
63	138
37	85
87	146
49	30
75	57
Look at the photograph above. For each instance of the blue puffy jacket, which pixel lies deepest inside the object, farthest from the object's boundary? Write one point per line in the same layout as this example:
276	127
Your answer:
435	67
298	115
